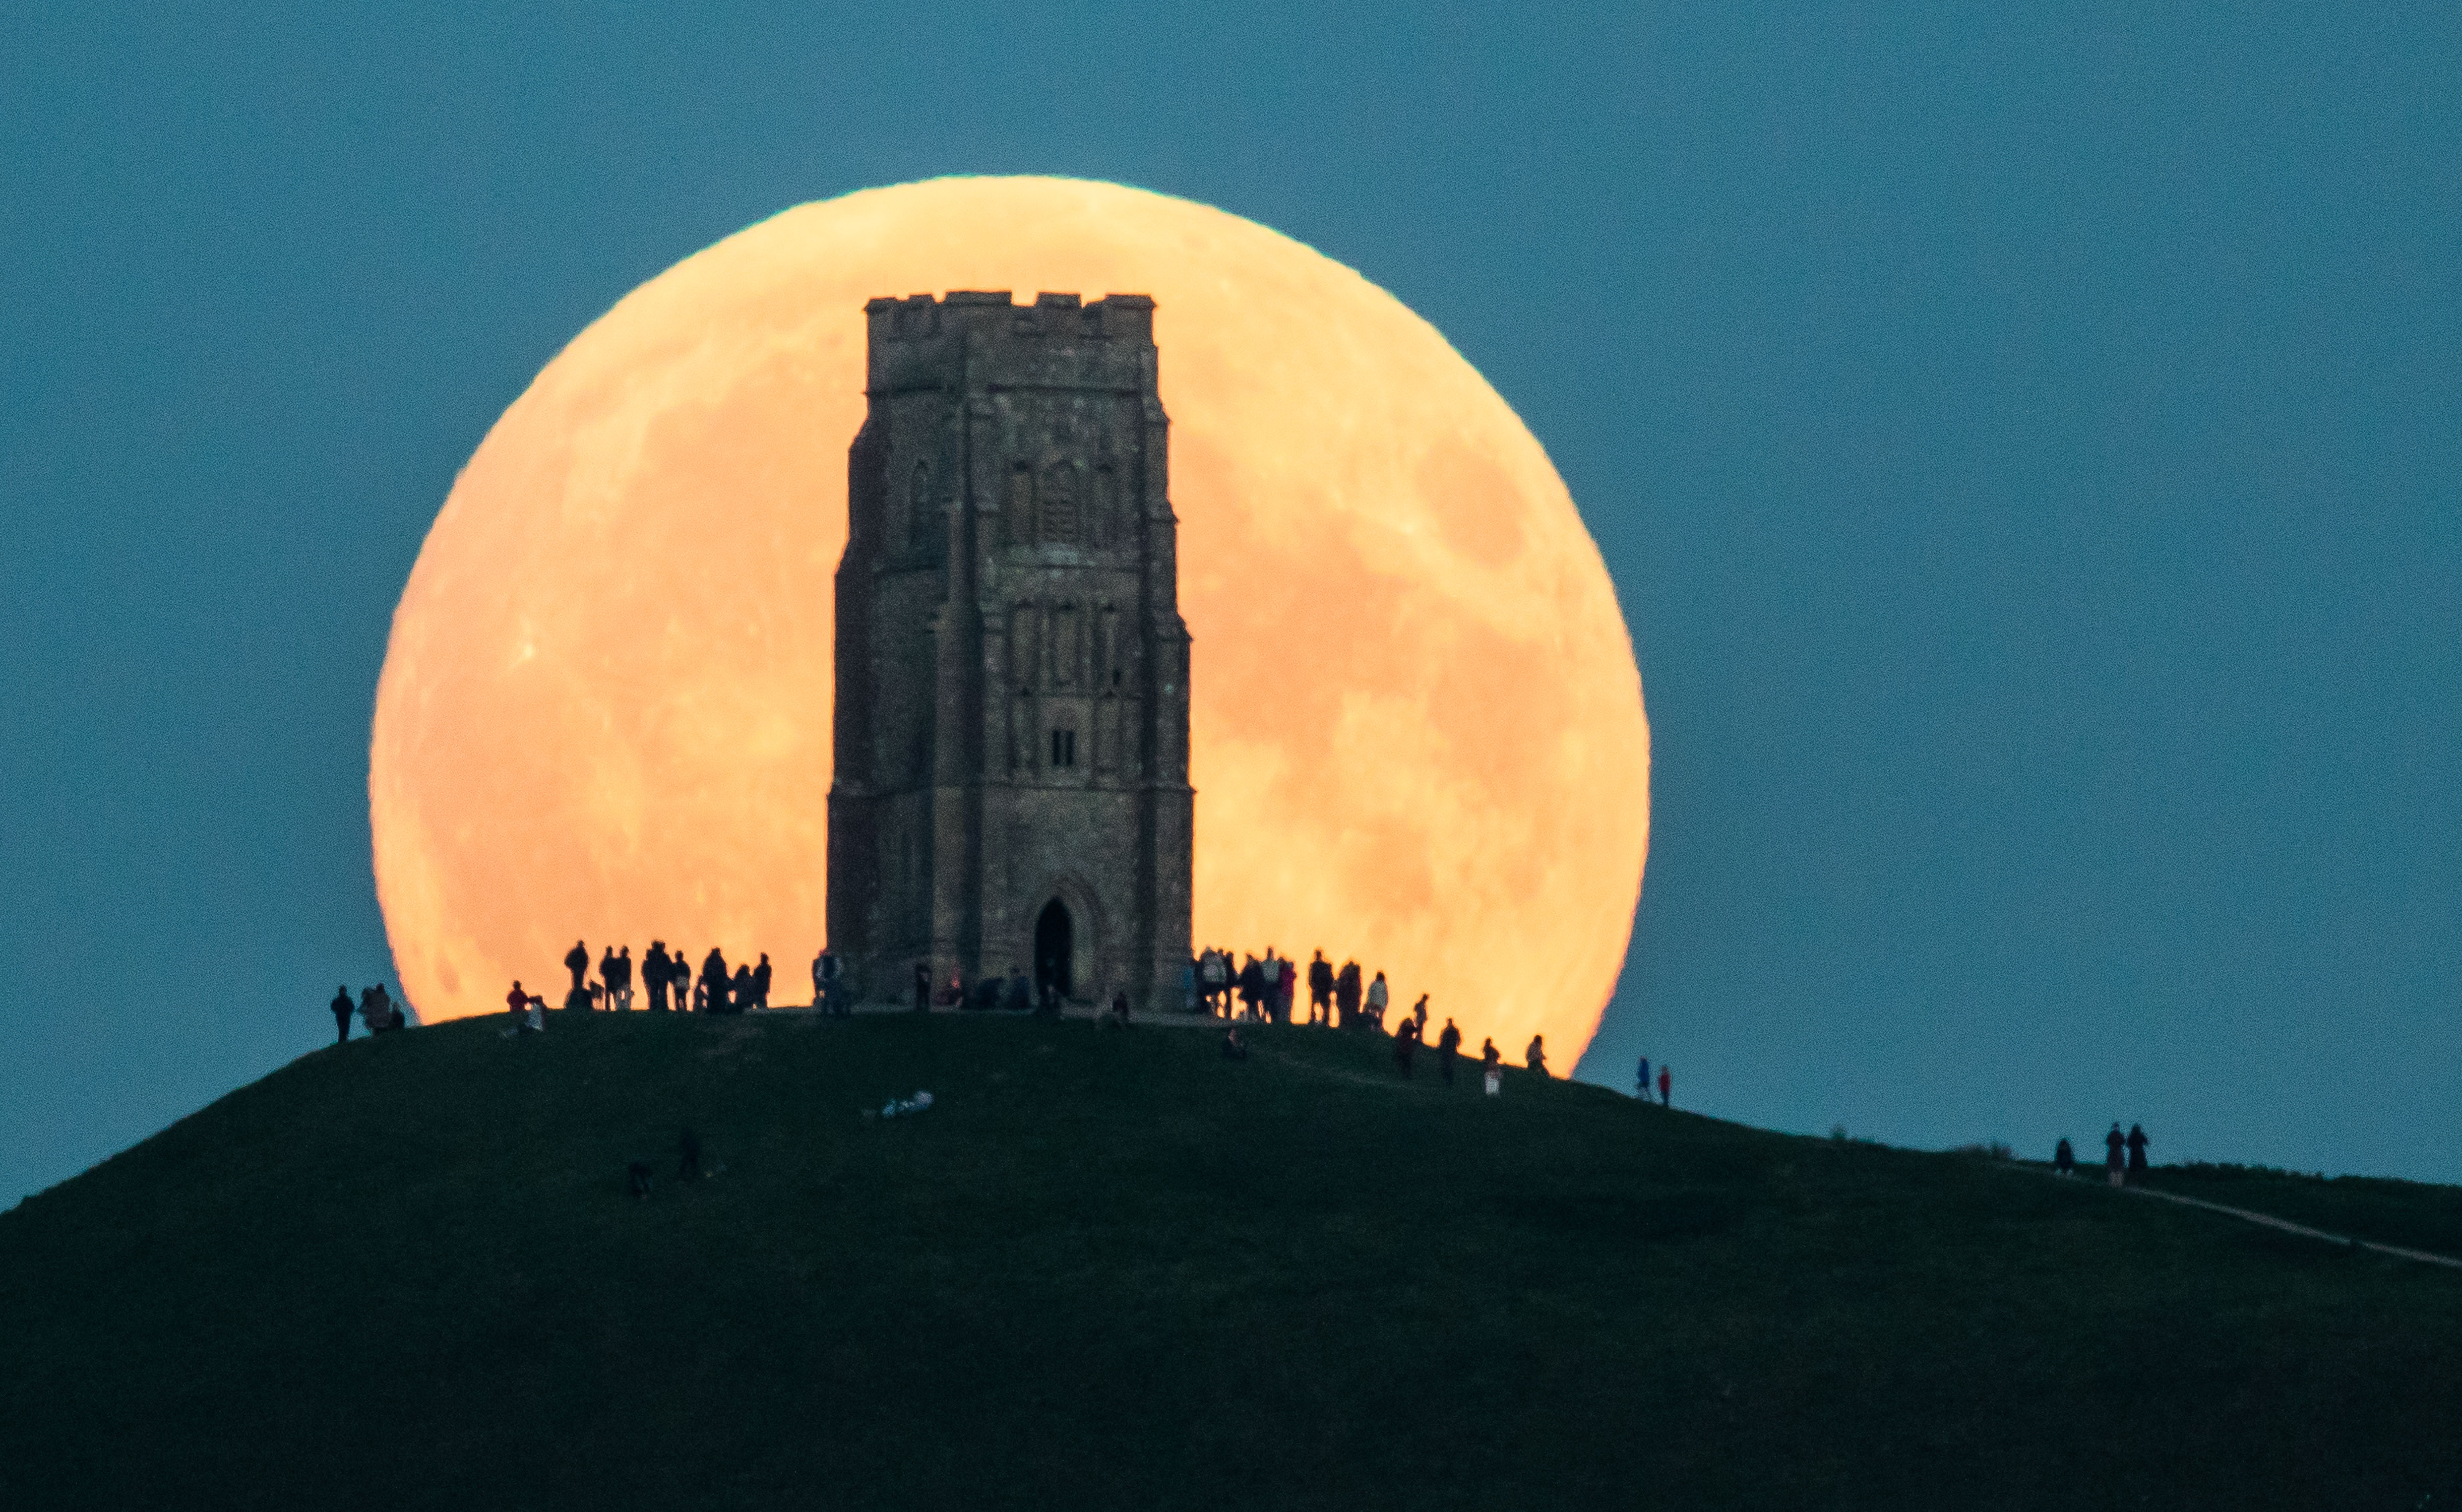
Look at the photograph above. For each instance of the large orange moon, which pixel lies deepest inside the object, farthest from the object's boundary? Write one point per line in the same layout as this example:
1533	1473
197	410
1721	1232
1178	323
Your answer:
1416	729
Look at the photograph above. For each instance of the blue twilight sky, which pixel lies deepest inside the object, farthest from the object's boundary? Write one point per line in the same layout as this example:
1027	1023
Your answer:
2025	441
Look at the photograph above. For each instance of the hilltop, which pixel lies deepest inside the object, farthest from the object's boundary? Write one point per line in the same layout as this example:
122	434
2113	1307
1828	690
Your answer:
1109	1269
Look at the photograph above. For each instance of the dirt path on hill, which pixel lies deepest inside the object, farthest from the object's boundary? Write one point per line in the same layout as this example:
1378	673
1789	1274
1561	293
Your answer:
2269	1220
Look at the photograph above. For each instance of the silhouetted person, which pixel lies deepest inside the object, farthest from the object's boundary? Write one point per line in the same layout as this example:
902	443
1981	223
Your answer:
2113	1144
1419	1016
1666	1086
713	984
922	988
1346	996
578	961
1252	987
654	971
688	1147
1378	995
1642	1079
1491	1068
2136	1150
607	974
1536	1056
1320	989
341	1006
1406	1046
761	983
1120	1008
1447	1044
742	992
619	992
2065	1158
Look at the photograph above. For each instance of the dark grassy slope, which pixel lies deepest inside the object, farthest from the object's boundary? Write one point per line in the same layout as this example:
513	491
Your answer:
1111	1270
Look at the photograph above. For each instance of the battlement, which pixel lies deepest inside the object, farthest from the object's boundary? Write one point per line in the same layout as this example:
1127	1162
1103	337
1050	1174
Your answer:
1113	318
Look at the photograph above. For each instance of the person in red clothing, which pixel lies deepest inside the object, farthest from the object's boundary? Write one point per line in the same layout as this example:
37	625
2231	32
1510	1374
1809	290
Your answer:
1666	1080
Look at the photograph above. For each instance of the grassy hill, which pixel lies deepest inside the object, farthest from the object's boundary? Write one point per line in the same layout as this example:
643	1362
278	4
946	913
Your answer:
1109	1269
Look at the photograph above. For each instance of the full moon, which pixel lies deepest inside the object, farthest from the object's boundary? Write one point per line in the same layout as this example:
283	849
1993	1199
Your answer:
1416	729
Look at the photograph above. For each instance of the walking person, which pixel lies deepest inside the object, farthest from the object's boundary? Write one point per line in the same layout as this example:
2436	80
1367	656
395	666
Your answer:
341	1006
2137	1142
1447	1044
2113	1144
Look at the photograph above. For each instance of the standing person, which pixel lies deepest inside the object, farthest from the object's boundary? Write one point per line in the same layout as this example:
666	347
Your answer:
1378	995
2137	1143
740	991
2065	1158
622	992
1447	1044
519	1002
578	961
654	971
1643	1081
761	983
341	1006
1406	1045
1420	1017
1320	989
1290	987
607	977
1346	996
821	981
2112	1144
922	988
1269	977
711	995
1666	1084
1491	1066
1536	1056
1252	987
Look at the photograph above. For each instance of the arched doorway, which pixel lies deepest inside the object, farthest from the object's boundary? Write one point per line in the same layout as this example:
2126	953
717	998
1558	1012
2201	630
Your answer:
1054	948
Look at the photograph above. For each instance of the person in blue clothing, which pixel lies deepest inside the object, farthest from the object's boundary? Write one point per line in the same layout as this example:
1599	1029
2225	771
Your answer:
1642	1081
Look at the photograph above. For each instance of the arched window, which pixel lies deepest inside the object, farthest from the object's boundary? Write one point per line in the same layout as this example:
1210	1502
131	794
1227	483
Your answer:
1109	527
918	508
1060	524
1021	505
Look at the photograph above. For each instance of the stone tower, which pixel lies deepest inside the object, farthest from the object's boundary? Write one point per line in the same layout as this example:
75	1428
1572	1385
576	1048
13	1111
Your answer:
1011	792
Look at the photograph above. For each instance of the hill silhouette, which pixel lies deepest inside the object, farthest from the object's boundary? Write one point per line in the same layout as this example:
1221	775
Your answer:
1109	1268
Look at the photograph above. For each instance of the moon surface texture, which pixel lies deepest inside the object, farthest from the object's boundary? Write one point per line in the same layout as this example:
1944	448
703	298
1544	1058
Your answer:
1416	732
